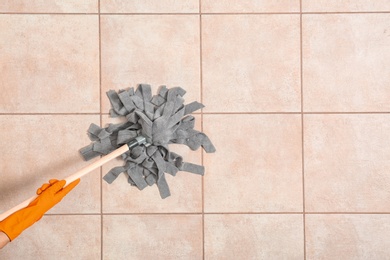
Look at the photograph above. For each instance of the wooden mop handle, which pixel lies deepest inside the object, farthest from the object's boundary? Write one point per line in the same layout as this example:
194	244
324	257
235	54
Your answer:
121	150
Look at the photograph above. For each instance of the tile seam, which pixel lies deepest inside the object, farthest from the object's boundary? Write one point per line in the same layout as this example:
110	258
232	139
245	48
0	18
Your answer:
47	114
223	213
201	119
101	124
302	130
194	13
292	113
211	113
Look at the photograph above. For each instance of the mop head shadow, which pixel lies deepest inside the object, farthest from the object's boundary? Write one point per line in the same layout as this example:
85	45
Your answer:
162	119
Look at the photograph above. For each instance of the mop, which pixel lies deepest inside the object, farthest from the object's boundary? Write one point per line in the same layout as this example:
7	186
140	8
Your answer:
142	141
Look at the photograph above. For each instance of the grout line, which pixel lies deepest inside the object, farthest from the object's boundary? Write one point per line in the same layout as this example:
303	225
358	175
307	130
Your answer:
46	114
216	13
353	12
101	124
291	113
219	213
300	13
154	213
251	13
16	13
201	117
253	213
151	14
173	213
299	213
348	213
251	113
210	113
302	131
193	113
72	214
341	113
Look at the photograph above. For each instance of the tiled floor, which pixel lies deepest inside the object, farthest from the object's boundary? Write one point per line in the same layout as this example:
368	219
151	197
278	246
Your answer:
297	96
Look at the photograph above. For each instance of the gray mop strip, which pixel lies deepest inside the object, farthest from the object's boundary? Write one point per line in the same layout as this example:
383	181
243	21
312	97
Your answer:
162	119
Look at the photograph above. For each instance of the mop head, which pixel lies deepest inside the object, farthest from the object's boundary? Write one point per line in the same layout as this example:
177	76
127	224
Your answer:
162	119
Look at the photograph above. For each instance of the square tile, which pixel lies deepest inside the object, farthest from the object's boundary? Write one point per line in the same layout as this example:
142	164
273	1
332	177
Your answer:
257	166
250	6
153	49
253	236
347	236
185	187
347	161
58	237
151	236
345	5
50	63
37	148
345	62
251	63
49	6
149	6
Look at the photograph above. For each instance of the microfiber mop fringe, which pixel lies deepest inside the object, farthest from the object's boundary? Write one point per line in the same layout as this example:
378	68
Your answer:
163	119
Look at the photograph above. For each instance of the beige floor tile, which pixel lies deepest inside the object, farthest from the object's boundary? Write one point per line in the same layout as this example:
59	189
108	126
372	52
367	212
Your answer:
58	237
345	62
251	63
36	148
265	236
49	6
149	6
50	63
345	5
347	236
347	161
153	49
250	6
150	237
186	188
257	166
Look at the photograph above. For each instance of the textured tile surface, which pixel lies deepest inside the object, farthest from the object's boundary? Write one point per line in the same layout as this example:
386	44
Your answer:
345	5
251	63
37	148
347	236
149	6
49	64
49	6
266	236
186	188
243	60
345	62
145	237
58	237
249	6
347	161
257	166
158	50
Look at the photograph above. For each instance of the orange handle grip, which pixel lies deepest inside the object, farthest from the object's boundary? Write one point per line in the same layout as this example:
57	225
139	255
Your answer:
121	150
